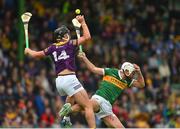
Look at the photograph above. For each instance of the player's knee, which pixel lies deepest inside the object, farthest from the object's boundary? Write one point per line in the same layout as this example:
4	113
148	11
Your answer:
115	125
88	105
119	126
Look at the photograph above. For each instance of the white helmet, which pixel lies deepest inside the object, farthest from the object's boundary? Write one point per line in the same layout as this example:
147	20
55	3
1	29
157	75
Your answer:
126	66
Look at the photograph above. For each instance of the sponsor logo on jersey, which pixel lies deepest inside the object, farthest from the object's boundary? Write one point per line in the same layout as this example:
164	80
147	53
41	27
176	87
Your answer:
115	81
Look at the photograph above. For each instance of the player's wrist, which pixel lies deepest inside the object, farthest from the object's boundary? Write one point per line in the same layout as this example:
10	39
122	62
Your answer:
139	71
84	58
83	23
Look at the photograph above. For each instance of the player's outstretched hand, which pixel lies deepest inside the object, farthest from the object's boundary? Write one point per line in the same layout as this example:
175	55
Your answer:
81	55
137	68
80	18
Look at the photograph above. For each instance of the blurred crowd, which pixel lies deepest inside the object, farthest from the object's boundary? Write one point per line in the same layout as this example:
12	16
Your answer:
139	31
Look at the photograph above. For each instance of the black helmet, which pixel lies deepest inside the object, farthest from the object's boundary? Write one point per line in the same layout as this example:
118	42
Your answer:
60	32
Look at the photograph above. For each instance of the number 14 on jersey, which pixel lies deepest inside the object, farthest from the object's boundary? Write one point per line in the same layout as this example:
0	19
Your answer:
63	55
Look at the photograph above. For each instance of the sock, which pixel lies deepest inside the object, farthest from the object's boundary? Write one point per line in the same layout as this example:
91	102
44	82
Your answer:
67	118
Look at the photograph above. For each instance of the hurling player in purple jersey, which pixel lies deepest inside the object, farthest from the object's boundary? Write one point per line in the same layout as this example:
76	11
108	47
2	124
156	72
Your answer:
62	53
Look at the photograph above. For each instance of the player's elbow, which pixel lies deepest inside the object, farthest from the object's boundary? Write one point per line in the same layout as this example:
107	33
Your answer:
142	85
88	37
93	69
96	71
37	54
34	55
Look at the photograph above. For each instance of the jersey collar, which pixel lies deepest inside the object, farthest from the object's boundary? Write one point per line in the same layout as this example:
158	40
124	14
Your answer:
119	73
60	43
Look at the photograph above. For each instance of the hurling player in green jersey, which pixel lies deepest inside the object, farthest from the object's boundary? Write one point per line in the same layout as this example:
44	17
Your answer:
113	83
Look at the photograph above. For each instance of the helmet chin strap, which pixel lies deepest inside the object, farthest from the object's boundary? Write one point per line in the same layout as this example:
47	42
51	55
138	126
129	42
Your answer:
66	39
125	74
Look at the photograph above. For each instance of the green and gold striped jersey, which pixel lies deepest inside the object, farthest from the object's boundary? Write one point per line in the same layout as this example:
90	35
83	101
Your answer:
112	85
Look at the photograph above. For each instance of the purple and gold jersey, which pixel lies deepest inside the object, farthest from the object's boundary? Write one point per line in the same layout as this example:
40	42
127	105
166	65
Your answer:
63	56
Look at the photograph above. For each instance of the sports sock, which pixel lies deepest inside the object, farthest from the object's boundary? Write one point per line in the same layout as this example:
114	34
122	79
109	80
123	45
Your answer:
66	118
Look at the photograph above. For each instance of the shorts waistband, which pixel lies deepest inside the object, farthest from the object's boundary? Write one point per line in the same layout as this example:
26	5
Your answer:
66	74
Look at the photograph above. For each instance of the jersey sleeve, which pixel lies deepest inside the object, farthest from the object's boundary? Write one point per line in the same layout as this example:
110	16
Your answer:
108	71
48	51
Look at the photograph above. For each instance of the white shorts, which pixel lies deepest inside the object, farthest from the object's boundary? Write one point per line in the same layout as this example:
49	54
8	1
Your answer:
68	85
105	107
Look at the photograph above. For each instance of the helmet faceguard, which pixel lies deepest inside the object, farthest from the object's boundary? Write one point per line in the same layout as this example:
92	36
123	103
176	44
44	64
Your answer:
60	32
127	68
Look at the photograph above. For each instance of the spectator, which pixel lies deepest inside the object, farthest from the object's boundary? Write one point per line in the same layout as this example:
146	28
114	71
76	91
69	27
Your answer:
138	31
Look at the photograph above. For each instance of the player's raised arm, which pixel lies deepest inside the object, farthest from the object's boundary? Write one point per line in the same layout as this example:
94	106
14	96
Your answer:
139	82
90	66
32	53
86	34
